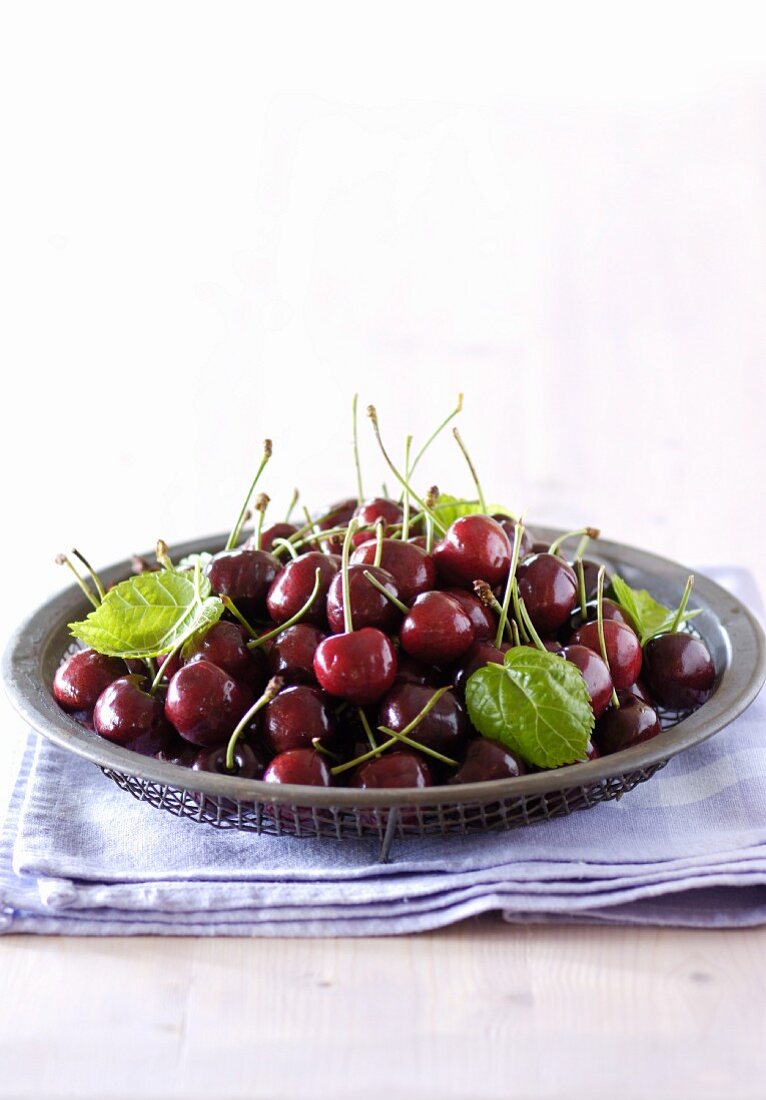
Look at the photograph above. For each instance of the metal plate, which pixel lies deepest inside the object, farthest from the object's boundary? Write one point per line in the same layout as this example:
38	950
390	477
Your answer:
732	634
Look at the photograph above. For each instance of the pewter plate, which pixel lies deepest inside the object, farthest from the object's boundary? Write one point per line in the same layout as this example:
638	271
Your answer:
734	637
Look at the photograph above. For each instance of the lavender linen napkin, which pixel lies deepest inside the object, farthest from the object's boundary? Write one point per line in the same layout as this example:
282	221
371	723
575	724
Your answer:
688	848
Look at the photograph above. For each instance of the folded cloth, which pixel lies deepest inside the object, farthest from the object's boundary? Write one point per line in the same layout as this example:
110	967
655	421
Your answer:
688	848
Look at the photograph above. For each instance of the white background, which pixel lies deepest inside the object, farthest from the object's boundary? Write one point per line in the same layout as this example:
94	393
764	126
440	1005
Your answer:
219	221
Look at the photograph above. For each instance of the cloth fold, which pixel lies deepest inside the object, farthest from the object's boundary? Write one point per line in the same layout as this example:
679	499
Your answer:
687	848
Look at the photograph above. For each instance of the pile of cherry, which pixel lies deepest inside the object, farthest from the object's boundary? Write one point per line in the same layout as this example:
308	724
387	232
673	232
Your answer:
350	667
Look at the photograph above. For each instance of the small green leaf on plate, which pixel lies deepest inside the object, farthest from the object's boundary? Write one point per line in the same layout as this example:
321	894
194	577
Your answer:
651	618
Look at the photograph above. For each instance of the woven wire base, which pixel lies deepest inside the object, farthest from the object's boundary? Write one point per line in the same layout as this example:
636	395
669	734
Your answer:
383	823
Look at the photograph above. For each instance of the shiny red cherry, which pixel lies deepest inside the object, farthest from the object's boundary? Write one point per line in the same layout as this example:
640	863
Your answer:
611	610
204	703
594	673
474	548
623	650
126	714
303	766
486	760
482	617
225	645
548	587
679	670
359	666
393	769
369	607
292	653
245	576
276	531
509	526
370	511
293	586
411	567
295	718
79	681
444	728
247	763
436	629
629	725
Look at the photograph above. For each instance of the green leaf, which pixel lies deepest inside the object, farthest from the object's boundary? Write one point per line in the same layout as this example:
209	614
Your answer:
651	618
536	704
448	508
147	615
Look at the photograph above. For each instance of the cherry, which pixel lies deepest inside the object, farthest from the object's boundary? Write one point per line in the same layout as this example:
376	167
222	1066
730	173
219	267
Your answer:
369	607
293	586
82	677
126	714
486	760
548	587
297	717
624	726
436	629
679	670
338	515
247	764
474	547
595	673
411	567
276	531
639	690
444	728
303	766
394	769
611	610
591	570
479	655
483	620
245	576
225	645
527	544
623	650
204	703
169	665
358	666
292	653
410	671
369	511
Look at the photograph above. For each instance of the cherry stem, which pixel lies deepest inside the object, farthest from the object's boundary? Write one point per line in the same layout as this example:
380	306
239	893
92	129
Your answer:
582	546
359	490
406	499
432	497
517	612
162	555
403	736
472	468
384	591
278	544
600	628
348	622
518	533
581	589
438	431
62	559
586	532
380	527
366	726
530	627
273	689
162	661
263	638
261	505
682	606
293	502
372	413
488	598
231	542
419	746
91	572
232	608
515	632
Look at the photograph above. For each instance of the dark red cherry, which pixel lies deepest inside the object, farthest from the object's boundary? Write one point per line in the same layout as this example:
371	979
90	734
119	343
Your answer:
591	570
302	766
247	763
479	655
204	703
482	617
392	769
445	727
474	548
293	586
611	610
337	515
245	576
126	714
292	653
295	717
83	676
369	607
436	629
169	664
509	526
595	673
486	760
411	567
621	728
276	531
359	666
225	645
623	650
679	670
548	587
370	511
